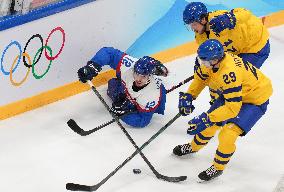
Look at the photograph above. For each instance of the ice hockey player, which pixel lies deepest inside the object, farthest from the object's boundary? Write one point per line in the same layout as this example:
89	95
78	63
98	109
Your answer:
244	93
136	92
240	32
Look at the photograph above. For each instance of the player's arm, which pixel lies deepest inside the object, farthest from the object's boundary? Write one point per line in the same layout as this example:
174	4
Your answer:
225	107
199	81
231	91
185	99
223	21
105	56
108	56
130	113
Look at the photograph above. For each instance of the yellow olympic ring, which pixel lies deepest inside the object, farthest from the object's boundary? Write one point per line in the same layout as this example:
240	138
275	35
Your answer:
29	69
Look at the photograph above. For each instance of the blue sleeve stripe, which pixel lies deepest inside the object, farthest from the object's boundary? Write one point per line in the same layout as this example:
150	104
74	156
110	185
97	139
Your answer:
200	76
221	162
212	90
198	143
234	99
232	90
203	137
223	155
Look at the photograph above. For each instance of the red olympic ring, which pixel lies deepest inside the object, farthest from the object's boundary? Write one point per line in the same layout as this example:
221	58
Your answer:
61	48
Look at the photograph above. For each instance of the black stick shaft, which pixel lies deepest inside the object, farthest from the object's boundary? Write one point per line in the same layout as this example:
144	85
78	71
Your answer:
77	187
121	127
158	175
138	150
180	84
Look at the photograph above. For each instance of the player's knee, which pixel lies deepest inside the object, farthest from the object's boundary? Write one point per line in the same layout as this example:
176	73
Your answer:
210	132
229	134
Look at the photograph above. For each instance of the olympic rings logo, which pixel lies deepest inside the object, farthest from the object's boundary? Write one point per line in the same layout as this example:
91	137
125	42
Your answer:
30	64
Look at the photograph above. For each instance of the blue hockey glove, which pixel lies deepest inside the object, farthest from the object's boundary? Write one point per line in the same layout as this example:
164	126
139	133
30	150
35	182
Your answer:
122	106
221	22
198	124
185	104
89	71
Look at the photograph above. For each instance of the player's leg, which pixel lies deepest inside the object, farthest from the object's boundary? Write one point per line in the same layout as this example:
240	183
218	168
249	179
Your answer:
238	126
226	148
115	89
198	142
202	138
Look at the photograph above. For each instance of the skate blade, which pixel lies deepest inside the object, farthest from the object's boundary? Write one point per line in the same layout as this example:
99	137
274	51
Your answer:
198	180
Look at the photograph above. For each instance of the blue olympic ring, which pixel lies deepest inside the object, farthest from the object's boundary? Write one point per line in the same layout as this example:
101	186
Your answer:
19	59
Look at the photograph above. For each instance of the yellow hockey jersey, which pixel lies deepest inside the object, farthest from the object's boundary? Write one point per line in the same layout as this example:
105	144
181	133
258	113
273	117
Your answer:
237	82
248	36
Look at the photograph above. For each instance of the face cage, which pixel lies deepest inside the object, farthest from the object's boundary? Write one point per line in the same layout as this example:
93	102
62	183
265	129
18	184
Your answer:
188	27
205	63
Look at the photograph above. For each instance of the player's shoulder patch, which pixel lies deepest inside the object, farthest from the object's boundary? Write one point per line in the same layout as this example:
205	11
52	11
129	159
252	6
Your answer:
128	61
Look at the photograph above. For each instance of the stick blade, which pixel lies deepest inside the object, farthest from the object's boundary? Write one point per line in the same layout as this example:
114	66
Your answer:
77	187
172	179
75	127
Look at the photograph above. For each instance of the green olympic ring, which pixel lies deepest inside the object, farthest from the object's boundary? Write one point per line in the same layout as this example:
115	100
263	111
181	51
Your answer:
34	61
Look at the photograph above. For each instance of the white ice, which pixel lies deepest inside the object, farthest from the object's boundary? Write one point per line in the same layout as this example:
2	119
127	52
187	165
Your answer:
39	152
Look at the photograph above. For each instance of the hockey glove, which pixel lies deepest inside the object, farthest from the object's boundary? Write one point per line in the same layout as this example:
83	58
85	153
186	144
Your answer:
198	124
160	69
89	71
122	106
185	104
222	22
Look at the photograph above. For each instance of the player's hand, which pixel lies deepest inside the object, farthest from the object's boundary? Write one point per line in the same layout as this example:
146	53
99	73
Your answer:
219	23
185	104
89	71
198	124
160	69
122	106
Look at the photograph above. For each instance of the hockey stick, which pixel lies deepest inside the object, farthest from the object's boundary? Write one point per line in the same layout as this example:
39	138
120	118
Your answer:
79	187
156	173
77	129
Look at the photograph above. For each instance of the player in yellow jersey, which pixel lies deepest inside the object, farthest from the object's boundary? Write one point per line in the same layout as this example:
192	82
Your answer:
240	32
242	95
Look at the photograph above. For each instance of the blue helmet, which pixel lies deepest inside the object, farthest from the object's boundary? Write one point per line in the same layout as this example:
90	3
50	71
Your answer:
193	12
145	65
211	49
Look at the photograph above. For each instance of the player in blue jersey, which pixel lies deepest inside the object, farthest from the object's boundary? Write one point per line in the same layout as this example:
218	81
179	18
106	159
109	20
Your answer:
136	91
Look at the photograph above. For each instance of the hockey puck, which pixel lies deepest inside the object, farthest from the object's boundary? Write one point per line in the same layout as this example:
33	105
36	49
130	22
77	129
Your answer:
136	171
